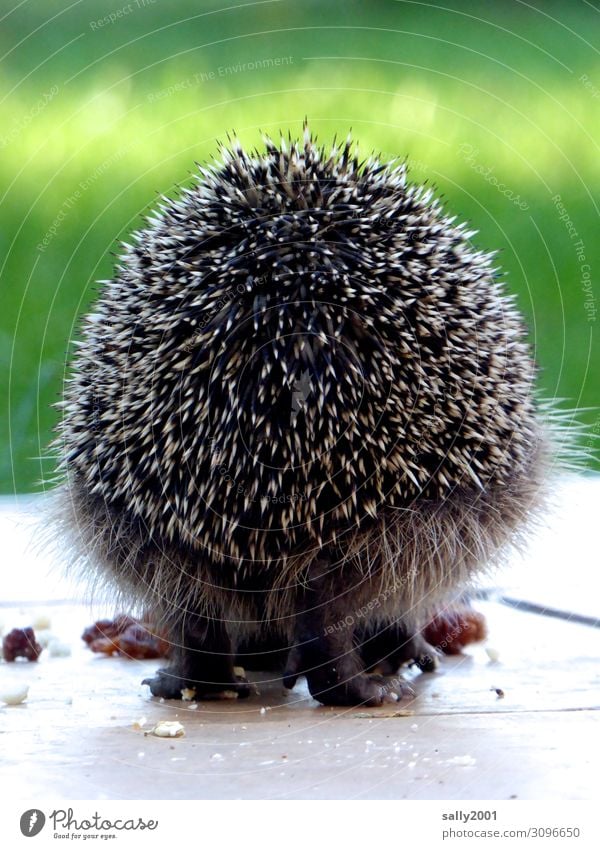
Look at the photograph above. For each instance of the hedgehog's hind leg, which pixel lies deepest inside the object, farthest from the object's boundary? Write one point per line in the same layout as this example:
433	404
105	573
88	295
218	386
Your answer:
326	653
336	673
201	661
387	647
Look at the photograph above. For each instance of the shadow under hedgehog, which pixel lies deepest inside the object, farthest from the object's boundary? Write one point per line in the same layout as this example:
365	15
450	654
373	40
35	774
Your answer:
302	412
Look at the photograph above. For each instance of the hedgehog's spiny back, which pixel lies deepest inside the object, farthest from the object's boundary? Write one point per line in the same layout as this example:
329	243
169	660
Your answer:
297	342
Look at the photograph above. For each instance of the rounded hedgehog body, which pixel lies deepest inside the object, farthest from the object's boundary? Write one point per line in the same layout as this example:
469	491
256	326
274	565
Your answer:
303	405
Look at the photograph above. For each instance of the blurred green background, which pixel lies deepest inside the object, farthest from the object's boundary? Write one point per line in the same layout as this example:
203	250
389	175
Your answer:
105	103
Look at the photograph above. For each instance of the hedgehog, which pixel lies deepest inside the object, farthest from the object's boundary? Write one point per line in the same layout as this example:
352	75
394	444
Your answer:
302	412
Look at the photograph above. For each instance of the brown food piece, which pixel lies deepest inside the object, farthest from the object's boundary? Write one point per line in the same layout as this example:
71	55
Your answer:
20	642
137	642
452	630
126	636
107	628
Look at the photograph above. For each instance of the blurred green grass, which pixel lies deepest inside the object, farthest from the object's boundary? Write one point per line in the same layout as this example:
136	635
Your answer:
96	119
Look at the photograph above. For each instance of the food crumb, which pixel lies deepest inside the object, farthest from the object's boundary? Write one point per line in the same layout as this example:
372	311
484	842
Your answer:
167	729
463	760
42	622
14	695
498	692
227	695
187	694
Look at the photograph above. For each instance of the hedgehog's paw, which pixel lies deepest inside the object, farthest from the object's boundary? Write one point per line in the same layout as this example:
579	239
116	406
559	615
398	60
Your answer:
361	689
168	683
394	687
343	682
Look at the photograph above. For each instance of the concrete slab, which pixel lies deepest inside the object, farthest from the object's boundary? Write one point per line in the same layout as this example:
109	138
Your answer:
78	735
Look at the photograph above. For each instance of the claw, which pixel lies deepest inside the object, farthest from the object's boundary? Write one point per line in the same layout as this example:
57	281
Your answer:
428	660
169	685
